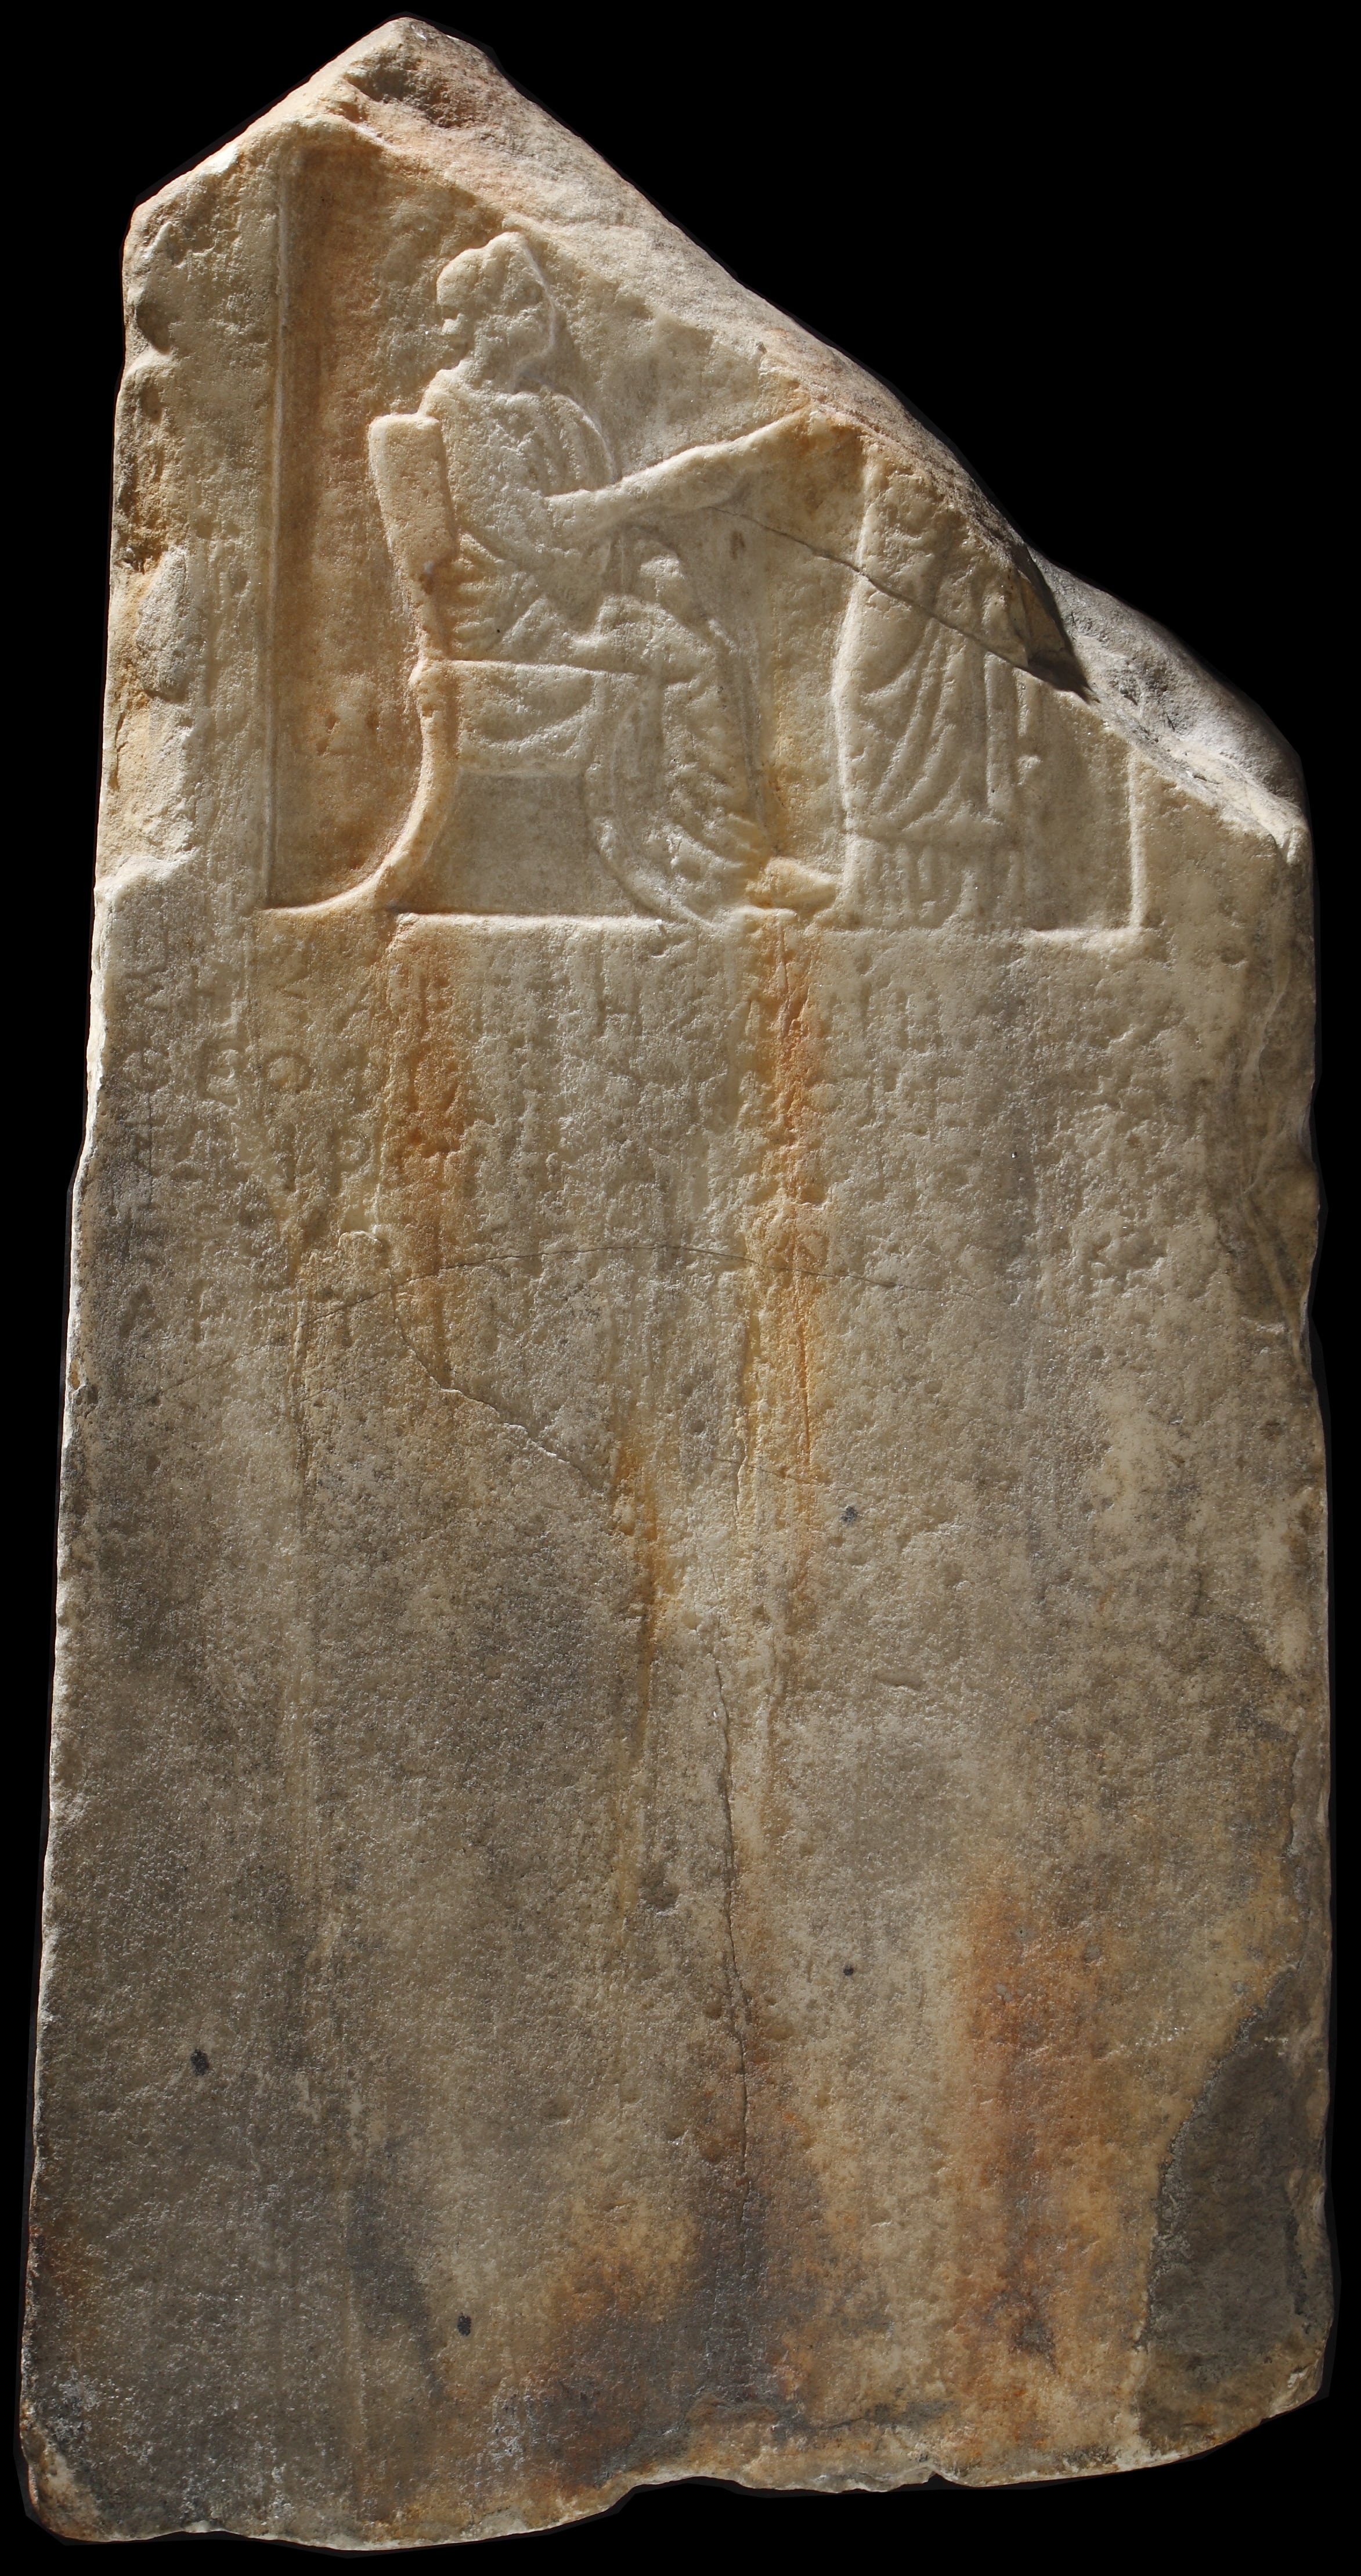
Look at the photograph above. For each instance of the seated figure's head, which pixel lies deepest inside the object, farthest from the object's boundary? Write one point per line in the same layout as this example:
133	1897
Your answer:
495	302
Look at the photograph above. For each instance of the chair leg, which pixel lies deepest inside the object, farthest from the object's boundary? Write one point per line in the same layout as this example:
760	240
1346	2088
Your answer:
400	878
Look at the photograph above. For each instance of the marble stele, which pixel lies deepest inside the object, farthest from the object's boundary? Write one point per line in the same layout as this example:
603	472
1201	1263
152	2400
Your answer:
689	1759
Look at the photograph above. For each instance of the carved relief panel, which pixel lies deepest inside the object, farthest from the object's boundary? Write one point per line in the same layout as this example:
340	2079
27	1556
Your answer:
617	662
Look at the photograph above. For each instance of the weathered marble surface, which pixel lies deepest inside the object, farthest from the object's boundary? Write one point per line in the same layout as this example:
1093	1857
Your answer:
689	1753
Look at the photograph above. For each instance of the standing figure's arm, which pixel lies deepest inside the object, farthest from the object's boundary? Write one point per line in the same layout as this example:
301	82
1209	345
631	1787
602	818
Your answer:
406	456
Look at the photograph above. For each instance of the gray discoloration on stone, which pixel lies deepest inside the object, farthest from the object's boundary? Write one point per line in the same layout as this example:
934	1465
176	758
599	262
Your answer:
1239	2287
689	1746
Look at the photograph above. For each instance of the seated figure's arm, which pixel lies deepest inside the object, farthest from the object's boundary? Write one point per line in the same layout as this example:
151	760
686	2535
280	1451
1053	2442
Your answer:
700	478
406	456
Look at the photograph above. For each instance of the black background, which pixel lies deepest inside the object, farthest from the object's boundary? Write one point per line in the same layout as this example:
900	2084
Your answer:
1097	254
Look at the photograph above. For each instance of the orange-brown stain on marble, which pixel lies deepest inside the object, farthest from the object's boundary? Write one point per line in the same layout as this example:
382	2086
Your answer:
815	478
426	1123
609	2366
638	1521
812	2270
68	2286
61	2261
1039	2109
742	2128
788	1246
